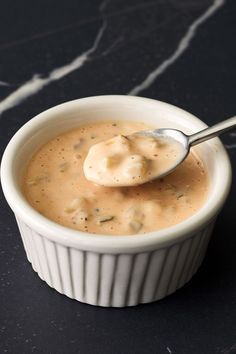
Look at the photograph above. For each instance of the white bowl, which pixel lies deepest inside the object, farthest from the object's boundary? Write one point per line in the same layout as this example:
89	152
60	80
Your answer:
106	270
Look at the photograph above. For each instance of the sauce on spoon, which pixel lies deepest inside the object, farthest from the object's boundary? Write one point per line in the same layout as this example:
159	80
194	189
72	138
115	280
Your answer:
130	160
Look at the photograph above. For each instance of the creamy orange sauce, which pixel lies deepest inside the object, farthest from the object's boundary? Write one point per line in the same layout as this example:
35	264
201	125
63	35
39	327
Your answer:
130	160
55	185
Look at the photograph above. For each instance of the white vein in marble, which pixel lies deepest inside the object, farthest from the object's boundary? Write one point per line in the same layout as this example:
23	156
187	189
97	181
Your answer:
181	48
37	83
229	350
230	146
2	83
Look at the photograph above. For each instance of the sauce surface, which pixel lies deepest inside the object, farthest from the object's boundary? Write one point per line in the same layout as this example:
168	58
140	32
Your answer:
55	185
130	160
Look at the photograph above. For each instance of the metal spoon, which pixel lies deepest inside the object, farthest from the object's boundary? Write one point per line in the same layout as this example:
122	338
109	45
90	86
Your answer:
187	141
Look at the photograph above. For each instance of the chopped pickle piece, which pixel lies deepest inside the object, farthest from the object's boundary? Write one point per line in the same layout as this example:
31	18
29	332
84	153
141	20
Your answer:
110	161
136	166
75	204
152	207
104	218
78	144
135	225
134	213
80	217
119	144
63	166
179	195
34	181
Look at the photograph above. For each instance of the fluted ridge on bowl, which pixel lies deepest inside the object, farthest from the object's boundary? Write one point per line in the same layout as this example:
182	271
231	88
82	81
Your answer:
115	280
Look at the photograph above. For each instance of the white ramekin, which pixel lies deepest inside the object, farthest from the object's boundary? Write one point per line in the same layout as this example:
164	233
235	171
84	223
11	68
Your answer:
104	270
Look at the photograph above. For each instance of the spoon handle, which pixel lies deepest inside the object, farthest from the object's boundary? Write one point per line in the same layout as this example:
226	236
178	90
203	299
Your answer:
212	132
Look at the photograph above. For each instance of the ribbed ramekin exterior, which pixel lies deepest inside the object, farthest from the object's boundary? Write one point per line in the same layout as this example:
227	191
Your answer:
115	280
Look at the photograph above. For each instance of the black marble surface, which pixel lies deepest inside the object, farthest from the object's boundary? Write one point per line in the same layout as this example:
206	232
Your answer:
137	37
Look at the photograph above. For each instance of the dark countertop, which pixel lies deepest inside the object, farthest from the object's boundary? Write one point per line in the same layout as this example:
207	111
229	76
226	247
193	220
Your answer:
111	47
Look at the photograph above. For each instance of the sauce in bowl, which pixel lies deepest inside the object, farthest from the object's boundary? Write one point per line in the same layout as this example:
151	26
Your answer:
56	186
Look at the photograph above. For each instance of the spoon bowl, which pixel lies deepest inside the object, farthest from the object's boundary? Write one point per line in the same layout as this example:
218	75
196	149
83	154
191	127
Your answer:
171	136
186	141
